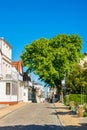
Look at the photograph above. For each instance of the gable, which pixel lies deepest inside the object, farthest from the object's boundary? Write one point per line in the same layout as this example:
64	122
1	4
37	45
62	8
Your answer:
18	66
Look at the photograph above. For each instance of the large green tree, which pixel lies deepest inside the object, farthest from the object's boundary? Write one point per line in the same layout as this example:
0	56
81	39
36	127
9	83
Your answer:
52	58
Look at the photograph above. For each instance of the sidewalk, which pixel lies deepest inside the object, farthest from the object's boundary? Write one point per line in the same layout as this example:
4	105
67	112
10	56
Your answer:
69	119
8	109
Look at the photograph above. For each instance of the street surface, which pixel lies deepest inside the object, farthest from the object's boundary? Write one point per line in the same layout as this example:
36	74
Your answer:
33	116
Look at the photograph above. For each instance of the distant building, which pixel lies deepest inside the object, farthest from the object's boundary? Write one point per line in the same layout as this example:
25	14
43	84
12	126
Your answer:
27	88
52	94
40	93
83	60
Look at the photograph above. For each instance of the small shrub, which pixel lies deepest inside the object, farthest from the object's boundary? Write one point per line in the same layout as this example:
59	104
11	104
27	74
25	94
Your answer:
84	114
66	101
86	109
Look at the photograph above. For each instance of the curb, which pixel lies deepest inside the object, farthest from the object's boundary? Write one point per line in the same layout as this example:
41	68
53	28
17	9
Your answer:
61	123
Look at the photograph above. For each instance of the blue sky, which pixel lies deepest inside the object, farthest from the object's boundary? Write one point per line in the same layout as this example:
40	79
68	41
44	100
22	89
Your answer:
22	21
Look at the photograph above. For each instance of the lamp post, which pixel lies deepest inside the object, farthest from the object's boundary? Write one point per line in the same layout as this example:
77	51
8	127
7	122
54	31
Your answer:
63	82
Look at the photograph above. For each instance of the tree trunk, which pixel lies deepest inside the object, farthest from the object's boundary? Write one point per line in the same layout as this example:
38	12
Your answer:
60	94
61	97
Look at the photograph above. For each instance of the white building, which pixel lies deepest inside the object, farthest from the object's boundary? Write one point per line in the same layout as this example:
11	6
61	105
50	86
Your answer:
17	77
40	93
10	76
13	88
5	58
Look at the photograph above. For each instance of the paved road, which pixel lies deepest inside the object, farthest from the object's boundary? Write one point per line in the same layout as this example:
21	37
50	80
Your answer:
31	117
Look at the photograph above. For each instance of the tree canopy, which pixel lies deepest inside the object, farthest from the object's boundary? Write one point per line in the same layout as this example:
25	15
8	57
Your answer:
52	58
77	79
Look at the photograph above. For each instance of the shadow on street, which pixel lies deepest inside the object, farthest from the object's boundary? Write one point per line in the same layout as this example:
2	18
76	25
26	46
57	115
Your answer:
31	127
43	127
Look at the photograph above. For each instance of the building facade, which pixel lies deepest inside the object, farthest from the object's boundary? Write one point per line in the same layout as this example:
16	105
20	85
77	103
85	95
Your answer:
15	85
10	78
17	76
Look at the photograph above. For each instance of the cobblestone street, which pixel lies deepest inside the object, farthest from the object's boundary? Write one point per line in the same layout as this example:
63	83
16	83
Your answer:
31	117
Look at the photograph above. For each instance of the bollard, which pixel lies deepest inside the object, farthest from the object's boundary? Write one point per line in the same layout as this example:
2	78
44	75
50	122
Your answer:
80	111
71	105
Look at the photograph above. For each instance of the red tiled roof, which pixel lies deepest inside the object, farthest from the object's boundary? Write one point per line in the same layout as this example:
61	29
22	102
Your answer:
17	65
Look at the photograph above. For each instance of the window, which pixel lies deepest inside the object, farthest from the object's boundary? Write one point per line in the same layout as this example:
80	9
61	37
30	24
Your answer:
14	88
7	88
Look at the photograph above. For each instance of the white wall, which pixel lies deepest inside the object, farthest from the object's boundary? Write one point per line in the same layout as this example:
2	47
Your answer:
2	89
3	96
20	77
25	97
0	65
20	92
0	58
5	58
6	49
14	73
6	68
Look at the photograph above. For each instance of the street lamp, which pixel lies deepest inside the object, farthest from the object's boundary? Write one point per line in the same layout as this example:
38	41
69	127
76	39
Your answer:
63	82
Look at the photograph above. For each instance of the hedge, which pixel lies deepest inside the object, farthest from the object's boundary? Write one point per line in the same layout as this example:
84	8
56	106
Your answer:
76	98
